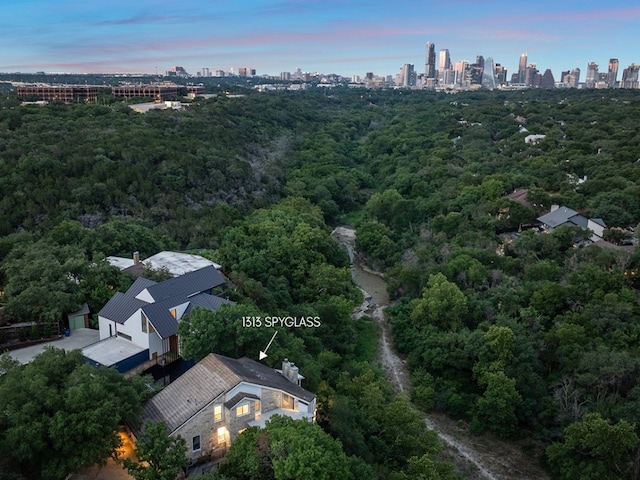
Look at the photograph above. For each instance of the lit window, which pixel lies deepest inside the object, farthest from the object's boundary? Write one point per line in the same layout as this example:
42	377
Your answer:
242	410
196	443
257	407
241	430
217	413
287	401
174	313
222	435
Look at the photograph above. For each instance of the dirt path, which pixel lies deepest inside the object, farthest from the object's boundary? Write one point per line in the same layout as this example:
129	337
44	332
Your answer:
475	457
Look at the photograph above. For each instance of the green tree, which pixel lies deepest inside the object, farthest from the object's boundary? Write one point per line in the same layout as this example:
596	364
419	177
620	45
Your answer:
442	304
222	331
61	414
159	456
593	448
286	449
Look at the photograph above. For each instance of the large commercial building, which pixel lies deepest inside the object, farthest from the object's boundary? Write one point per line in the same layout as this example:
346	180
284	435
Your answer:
157	92
63	93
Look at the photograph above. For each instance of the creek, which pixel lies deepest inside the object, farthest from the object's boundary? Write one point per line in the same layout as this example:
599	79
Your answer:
374	288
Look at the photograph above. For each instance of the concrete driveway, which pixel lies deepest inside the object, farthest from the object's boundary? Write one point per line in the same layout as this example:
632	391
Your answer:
78	339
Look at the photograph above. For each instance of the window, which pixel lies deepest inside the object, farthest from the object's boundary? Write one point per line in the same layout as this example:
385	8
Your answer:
222	435
242	410
241	430
124	335
196	443
143	319
257	406
174	313
287	401
217	413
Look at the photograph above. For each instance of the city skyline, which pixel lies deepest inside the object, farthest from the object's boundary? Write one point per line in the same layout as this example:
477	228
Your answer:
346	38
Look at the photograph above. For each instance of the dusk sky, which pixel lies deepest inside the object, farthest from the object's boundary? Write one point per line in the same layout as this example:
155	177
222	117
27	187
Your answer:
348	37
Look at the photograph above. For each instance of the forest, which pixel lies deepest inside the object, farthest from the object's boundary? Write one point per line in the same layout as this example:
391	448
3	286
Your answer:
520	334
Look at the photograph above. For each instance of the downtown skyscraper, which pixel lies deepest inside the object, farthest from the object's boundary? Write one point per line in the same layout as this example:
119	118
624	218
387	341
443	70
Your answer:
430	63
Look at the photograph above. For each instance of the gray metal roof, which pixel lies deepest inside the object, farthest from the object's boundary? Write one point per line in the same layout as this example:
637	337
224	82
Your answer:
168	295
159	314
188	284
204	300
122	305
557	217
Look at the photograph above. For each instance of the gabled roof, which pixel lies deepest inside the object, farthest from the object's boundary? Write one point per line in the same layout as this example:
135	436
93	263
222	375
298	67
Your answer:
238	398
557	217
251	371
188	284
190	393
206	381
122	305
204	300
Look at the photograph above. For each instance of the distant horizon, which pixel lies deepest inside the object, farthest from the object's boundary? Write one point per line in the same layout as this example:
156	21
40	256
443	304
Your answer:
332	37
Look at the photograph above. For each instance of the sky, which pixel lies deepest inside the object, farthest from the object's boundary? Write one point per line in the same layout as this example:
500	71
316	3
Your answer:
347	37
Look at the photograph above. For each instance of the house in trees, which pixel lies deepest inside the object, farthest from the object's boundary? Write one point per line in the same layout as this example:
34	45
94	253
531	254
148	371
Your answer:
560	215
216	399
142	323
174	263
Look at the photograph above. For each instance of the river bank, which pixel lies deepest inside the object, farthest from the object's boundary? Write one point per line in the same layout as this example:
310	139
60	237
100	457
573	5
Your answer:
475	457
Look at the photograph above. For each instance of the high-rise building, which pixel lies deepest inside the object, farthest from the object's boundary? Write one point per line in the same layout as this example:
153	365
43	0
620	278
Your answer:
445	75
444	60
501	74
592	75
489	74
407	75
630	76
460	71
530	76
612	74
522	68
571	79
430	64
547	81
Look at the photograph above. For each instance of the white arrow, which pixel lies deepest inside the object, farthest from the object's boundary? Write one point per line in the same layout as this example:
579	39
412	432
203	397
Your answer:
263	354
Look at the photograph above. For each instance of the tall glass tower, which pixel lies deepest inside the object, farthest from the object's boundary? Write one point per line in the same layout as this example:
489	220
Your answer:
489	74
430	64
612	74
522	68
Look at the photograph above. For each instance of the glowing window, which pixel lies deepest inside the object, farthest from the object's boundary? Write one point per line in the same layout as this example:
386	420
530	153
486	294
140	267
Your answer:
222	435
217	413
242	410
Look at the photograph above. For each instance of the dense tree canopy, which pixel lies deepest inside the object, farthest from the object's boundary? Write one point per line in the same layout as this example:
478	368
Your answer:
517	332
60	414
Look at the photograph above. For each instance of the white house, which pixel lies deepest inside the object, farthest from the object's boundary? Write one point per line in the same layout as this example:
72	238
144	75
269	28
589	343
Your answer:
148	313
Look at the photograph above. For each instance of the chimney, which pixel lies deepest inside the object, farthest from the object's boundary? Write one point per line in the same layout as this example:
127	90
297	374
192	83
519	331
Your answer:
290	371
136	258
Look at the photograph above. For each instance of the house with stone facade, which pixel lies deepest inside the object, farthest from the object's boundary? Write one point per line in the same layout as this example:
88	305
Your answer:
219	397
